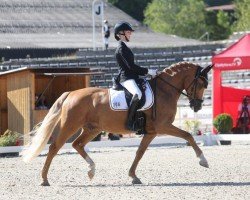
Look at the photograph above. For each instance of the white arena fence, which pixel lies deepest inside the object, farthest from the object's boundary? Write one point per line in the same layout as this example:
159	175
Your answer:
204	116
183	114
206	140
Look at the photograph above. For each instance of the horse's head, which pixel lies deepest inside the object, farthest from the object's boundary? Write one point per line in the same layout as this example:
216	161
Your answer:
195	86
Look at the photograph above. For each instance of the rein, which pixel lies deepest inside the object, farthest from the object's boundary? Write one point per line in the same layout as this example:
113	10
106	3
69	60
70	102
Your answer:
178	90
191	96
193	84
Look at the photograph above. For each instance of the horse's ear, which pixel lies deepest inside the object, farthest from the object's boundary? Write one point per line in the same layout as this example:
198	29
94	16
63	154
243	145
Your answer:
205	70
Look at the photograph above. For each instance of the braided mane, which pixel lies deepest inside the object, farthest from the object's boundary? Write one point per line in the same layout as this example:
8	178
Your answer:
179	67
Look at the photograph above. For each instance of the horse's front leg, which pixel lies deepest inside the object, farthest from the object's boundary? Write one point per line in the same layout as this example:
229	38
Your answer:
141	150
174	131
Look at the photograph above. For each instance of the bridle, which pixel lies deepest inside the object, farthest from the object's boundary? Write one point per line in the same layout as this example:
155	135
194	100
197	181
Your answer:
201	73
193	100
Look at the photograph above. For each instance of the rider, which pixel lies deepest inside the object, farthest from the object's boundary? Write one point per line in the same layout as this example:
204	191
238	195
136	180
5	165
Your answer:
129	71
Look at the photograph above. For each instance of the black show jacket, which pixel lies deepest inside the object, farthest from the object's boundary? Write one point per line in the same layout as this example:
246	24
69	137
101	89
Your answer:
125	59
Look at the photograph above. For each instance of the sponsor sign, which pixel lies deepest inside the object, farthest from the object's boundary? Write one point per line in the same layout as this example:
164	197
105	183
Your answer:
236	62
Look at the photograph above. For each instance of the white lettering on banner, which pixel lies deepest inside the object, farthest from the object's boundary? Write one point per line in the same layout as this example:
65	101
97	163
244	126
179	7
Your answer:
235	63
238	61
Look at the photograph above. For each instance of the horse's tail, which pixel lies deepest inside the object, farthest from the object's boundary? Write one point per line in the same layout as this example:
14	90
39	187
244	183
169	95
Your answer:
43	133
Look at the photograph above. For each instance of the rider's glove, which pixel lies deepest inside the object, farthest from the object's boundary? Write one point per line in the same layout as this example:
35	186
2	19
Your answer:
152	72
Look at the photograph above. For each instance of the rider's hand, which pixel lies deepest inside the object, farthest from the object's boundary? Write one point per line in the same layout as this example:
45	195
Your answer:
152	72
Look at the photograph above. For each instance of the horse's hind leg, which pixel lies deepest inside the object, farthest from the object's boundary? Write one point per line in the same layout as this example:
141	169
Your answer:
147	138
80	143
174	131
61	139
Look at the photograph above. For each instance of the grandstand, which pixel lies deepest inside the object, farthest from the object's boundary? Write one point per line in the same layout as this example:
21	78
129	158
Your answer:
43	29
68	24
154	58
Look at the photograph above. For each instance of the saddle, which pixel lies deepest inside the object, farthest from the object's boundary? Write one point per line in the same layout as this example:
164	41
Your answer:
120	98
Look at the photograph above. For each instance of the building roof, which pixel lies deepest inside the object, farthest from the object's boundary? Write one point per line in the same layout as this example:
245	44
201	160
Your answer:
222	7
52	71
68	24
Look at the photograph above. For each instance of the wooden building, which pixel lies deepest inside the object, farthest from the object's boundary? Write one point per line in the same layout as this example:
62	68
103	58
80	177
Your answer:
18	90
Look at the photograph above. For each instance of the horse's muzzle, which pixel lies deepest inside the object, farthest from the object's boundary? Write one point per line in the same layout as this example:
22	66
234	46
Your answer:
196	104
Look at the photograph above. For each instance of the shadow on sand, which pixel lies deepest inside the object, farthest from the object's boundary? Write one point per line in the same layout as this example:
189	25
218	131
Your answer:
205	184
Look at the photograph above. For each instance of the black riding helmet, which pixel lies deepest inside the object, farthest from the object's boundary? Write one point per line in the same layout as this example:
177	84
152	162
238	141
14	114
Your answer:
122	26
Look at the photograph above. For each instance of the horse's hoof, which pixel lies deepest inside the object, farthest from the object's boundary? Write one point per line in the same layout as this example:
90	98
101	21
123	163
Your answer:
136	181
203	161
91	174
204	164
45	183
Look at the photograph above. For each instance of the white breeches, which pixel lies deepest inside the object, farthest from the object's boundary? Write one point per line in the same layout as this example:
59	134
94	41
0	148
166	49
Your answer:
132	87
106	40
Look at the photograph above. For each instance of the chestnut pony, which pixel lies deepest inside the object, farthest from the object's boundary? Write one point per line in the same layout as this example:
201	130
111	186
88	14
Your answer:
88	109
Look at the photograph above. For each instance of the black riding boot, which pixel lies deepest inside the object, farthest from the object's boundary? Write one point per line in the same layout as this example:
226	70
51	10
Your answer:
131	112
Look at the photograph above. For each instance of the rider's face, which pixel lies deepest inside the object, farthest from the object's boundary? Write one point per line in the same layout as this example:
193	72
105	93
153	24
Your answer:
127	34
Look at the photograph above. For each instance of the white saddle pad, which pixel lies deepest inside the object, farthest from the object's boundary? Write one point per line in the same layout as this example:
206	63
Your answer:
118	102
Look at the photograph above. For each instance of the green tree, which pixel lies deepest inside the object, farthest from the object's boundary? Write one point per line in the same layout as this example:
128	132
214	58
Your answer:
224	19
183	18
219	24
242	15
134	8
191	19
160	15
